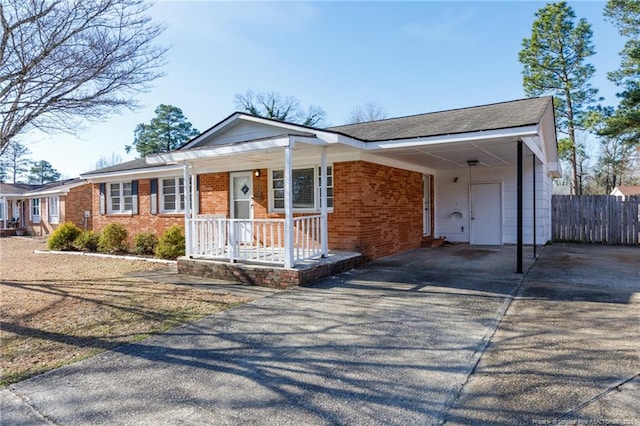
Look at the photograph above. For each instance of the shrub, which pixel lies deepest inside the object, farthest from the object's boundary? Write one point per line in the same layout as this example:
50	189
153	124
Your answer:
146	242
87	241
63	237
113	239
171	244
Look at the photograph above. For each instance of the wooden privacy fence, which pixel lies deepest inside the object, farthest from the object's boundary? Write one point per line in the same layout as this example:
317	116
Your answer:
604	219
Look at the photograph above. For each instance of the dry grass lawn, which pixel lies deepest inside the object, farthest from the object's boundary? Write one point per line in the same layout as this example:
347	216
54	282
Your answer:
56	309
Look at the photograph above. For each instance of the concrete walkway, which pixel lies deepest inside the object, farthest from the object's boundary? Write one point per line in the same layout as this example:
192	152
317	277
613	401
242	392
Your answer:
392	343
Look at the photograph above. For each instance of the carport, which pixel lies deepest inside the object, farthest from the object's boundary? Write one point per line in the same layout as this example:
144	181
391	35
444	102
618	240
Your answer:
491	167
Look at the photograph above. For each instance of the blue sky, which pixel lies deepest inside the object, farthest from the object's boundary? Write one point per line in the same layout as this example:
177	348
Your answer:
409	57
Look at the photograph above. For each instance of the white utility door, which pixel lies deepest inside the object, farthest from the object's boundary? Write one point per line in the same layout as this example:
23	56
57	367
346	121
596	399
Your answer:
242	204
486	214
426	216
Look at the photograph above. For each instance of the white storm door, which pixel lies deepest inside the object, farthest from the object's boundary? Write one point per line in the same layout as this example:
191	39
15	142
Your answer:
486	214
242	205
426	214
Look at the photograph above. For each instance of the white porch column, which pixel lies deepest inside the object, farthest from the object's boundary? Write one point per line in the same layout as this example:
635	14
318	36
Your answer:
187	210
324	231
5	212
195	206
288	206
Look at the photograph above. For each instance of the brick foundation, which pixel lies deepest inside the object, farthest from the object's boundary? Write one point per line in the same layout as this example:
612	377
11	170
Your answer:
270	276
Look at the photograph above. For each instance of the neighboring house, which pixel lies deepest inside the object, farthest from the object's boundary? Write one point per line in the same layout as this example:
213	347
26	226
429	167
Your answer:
276	192
39	209
625	191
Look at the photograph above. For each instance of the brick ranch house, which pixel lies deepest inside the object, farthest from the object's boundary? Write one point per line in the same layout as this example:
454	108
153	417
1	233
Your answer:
252	189
39	209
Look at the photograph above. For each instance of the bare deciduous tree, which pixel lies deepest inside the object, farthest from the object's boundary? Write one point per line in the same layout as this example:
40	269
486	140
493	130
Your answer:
369	111
65	60
279	107
105	161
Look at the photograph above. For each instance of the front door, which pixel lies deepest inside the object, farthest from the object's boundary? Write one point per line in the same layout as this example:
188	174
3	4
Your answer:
486	214
242	204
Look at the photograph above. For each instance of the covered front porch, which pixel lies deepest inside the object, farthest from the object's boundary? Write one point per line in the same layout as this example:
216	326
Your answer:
250	222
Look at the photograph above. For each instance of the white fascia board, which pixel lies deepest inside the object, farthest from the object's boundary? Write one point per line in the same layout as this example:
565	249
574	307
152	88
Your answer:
513	132
133	173
354	143
310	140
398	164
555	169
62	190
220	151
530	142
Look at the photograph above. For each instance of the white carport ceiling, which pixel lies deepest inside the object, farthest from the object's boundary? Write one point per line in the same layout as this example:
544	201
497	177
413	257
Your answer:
500	152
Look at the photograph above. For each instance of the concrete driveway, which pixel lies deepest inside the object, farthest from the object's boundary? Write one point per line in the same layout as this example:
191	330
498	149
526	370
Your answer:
393	343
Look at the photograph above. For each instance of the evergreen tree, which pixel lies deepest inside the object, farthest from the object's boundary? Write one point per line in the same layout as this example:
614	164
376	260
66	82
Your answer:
554	60
168	130
16	160
625	123
42	172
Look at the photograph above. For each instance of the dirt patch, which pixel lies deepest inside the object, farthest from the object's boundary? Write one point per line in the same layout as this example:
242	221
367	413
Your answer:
56	309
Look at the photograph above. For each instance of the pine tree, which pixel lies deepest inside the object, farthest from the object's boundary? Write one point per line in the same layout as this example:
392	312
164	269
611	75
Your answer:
168	130
625	122
554	60
42	172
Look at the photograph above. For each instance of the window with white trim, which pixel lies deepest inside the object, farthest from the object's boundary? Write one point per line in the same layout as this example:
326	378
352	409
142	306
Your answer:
119	197
172	195
35	210
306	188
54	209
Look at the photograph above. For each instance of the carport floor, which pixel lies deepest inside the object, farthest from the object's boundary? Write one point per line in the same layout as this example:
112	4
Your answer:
393	342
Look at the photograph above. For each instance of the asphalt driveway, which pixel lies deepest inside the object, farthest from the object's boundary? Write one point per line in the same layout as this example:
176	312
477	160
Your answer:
395	342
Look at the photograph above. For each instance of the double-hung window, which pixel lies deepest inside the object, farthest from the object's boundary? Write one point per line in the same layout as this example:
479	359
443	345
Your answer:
172	195
54	209
305	188
35	210
120	197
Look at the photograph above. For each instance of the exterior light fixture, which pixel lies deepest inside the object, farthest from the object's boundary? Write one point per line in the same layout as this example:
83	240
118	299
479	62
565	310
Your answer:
472	163
257	173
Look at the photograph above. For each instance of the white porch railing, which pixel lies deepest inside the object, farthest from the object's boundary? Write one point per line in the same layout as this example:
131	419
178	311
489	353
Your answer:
257	240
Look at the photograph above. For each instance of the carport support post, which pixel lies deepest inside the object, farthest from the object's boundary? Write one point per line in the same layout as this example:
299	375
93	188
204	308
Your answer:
534	206
288	206
519	210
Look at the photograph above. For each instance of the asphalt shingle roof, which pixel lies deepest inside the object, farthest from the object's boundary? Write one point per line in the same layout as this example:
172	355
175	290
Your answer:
523	112
25	188
138	163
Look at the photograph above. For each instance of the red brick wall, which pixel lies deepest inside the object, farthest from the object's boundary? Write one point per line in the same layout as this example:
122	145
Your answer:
144	221
74	204
377	209
214	193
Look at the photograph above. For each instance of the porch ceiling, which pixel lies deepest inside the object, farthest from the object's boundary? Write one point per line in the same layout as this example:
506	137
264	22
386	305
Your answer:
499	152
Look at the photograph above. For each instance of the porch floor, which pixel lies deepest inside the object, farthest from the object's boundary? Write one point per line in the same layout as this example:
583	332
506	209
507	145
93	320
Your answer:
305	272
